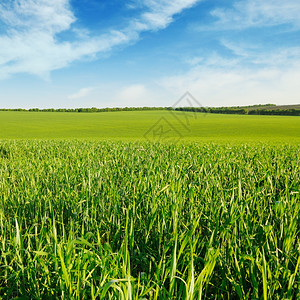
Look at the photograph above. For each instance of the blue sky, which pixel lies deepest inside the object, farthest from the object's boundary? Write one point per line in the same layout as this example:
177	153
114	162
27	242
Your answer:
84	53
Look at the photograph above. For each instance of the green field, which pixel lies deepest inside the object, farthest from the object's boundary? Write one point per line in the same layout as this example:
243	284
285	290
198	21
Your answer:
113	220
132	126
149	205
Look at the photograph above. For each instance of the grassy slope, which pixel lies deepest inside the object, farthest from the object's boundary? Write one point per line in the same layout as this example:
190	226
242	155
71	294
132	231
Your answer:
128	126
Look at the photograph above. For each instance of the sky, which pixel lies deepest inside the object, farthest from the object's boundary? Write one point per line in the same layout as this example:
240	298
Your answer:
108	53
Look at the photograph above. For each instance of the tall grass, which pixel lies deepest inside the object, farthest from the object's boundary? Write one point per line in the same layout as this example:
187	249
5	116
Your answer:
87	220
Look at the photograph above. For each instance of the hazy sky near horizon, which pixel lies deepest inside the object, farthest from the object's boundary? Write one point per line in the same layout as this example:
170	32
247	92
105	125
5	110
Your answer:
108	53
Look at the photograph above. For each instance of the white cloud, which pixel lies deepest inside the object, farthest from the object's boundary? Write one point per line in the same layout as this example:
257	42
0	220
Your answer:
81	93
258	13
51	16
30	45
160	13
216	82
238	49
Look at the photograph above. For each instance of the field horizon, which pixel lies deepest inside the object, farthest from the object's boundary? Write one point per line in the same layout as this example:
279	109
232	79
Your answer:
162	126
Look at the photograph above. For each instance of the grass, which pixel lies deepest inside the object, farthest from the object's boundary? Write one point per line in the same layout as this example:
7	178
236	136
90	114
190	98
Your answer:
126	220
132	126
108	206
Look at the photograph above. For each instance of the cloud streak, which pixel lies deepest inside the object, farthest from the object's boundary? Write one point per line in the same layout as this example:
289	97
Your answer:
257	13
82	93
159	14
29	43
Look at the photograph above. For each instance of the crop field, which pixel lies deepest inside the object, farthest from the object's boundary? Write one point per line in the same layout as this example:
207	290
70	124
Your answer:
133	126
149	205
142	220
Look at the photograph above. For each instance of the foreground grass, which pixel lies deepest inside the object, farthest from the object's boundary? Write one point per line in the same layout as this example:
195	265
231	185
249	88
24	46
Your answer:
87	220
151	125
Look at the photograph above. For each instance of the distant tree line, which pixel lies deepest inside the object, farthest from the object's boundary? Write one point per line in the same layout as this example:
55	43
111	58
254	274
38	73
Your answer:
239	110
277	112
214	110
85	110
242	111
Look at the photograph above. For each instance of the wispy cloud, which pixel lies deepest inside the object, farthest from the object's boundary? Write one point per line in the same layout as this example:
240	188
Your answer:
159	14
81	93
29	43
258	13
52	16
282	56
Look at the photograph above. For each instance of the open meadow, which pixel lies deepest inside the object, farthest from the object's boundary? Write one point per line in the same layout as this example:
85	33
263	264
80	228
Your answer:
162	126
149	205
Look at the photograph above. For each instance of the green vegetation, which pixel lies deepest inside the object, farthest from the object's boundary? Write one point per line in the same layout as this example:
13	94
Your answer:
276	112
117	220
132	126
92	207
261	109
85	110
